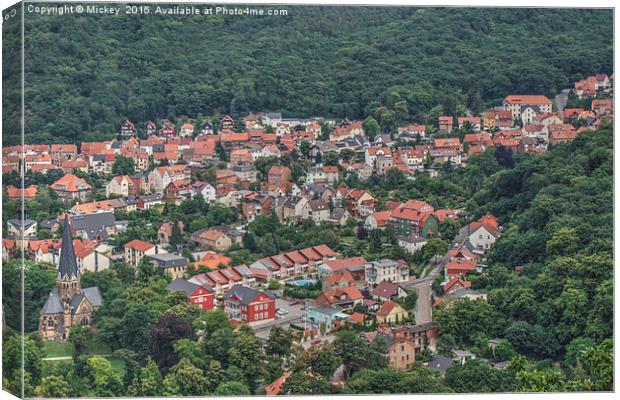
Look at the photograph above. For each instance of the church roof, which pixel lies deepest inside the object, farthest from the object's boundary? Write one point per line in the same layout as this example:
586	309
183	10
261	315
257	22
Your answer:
67	265
53	304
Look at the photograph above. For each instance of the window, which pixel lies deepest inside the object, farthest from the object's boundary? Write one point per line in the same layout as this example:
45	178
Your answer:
255	316
256	307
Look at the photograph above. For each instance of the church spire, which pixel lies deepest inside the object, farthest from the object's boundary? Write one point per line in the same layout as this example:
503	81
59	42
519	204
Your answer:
67	267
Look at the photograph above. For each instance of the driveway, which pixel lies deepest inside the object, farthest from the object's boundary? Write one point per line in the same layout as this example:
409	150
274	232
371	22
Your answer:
295	315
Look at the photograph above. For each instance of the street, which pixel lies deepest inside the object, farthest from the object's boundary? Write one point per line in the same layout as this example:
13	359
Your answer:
295	314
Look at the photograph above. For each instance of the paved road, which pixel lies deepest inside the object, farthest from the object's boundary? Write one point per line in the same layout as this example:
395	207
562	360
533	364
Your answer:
561	98
295	314
423	310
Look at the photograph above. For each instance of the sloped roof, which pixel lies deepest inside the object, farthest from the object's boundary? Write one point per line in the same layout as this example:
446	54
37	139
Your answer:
67	266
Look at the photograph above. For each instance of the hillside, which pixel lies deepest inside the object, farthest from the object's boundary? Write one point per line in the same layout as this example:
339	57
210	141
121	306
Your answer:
88	73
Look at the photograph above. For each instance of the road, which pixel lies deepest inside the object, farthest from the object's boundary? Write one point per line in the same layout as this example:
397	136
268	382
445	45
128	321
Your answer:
423	310
295	314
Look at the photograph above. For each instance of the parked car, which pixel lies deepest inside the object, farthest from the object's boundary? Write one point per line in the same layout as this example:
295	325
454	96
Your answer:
294	302
315	342
281	311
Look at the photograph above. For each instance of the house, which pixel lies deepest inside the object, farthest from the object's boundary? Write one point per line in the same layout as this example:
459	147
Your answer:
339	279
411	243
358	318
414	218
497	119
70	188
412	132
440	364
187	130
136	250
561	133
316	210
22	231
226	122
391	313
290	208
462	356
243	304
212	261
178	191
458	267
164	232
325	315
445	124
120	185
400	352
385	270
28	193
602	106
456	283
212	239
377	220
474	123
525	107
92	257
481	234
352	265
279	175
201	295
97	226
167	130
160	177
387	291
148	201
341	296
171	263
62	152
128	129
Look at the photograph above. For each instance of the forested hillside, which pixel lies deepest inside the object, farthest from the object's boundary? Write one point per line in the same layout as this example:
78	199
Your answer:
87	73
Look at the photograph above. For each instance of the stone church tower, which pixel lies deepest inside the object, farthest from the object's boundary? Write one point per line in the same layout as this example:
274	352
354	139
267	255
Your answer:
68	304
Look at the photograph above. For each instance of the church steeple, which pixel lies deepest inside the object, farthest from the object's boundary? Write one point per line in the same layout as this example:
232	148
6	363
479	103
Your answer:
67	267
68	278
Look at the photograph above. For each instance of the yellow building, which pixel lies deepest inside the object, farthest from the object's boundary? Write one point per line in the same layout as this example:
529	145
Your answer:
392	313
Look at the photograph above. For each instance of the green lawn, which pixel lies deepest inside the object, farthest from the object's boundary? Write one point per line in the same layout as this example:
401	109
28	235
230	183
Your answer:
118	365
55	349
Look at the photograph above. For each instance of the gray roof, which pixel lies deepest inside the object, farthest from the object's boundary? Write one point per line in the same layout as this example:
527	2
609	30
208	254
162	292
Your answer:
94	225
338	213
93	295
187	287
245	294
318	205
440	363
328	310
167	260
67	265
25	223
52	304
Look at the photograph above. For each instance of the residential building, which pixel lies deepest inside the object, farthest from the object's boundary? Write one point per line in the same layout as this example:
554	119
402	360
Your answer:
171	263
392	313
385	270
203	295
243	304
136	250
71	188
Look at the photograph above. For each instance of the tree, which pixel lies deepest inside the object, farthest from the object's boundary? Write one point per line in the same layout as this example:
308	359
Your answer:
105	381
318	360
232	389
279	342
123	165
434	247
304	383
410	301
247	354
12	369
214	375
79	337
184	379
532	339
162	337
371	128
478	376
149	382
53	386
356	354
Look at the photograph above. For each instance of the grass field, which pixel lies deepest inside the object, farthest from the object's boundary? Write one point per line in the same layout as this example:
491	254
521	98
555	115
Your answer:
55	349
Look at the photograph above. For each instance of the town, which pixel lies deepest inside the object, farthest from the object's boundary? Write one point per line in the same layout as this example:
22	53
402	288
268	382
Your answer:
283	224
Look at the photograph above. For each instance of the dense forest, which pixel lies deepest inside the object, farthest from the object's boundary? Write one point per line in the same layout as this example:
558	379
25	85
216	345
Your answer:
86	74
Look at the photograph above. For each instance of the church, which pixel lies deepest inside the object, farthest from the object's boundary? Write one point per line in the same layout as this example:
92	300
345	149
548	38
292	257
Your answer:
68	304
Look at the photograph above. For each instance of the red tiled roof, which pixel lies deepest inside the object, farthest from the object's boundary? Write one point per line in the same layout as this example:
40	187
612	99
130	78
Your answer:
139	245
527	99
